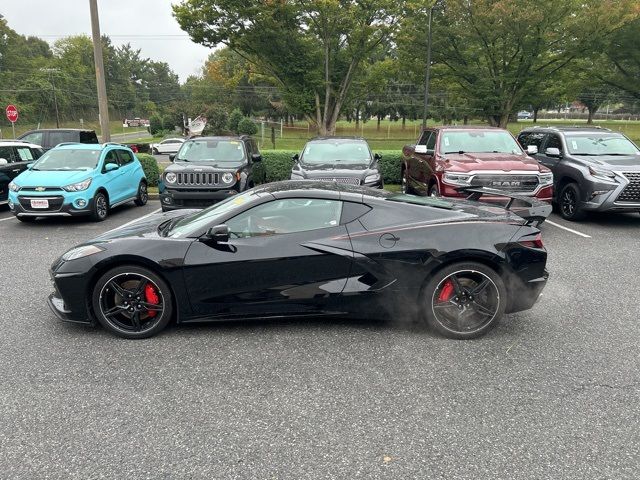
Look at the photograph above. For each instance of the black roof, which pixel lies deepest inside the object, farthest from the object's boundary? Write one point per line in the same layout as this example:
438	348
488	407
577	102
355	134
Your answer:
562	128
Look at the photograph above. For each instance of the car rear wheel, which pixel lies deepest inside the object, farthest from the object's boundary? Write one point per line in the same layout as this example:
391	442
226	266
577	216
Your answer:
154	151
132	302
405	183
100	207
464	300
143	195
434	191
568	203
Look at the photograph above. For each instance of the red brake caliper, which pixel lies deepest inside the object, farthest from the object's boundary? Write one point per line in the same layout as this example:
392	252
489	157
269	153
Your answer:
151	296
447	291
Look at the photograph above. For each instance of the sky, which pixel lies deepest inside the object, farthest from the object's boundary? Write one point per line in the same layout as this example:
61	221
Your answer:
147	25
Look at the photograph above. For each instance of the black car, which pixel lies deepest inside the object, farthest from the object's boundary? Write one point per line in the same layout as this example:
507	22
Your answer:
51	137
14	158
207	170
594	169
309	249
345	160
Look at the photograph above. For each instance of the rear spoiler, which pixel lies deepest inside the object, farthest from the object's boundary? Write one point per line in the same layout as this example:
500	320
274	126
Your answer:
531	209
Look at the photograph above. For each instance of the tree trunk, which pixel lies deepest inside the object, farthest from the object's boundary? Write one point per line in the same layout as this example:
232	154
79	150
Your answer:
404	121
591	110
535	114
465	120
379	119
357	117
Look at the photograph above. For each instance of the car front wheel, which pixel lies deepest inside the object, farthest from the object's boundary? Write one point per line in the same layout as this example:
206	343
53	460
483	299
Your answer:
132	302
569	203
143	195
100	207
464	300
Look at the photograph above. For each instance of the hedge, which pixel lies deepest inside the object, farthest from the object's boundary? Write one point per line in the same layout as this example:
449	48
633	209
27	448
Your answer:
150	167
276	165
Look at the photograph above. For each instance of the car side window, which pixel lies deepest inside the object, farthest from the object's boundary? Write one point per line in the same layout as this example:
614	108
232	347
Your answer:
7	154
56	138
431	143
554	142
111	157
424	138
249	148
35	137
289	215
25	154
255	146
531	138
125	157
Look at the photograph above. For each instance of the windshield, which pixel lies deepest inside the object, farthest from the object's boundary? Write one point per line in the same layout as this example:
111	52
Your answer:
472	141
196	221
344	152
600	145
68	159
219	151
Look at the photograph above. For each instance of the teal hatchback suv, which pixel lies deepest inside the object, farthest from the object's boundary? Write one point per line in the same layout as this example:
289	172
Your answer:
78	179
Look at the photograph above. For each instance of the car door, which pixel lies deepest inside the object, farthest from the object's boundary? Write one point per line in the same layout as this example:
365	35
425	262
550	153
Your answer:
129	176
421	167
8	171
37	138
284	257
113	180
552	140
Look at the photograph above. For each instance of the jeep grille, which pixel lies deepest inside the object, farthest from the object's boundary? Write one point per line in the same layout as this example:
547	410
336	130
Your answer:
196	179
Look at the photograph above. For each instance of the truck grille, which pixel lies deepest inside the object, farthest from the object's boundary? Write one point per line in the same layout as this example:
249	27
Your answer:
511	183
345	180
194	179
631	192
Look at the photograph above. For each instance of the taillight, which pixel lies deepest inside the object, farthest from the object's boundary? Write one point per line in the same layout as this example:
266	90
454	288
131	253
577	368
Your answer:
535	243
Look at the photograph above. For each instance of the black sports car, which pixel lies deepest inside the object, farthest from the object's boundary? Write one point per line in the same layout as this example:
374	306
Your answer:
303	248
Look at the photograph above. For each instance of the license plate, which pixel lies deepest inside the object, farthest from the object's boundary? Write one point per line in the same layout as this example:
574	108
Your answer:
39	203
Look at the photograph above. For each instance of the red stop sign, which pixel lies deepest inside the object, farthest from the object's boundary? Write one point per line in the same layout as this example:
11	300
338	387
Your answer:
12	113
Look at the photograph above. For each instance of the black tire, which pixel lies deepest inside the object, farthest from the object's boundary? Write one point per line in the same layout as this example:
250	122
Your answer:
568	200
100	208
434	191
26	219
469	309
125	315
154	151
164	209
405	187
143	195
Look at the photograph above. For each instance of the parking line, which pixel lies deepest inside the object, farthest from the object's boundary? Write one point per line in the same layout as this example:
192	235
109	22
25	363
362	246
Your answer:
567	229
8	218
138	219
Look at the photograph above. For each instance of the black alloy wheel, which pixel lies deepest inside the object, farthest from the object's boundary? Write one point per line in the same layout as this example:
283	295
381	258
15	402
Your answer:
100	207
406	189
143	194
132	302
569	203
465	300
434	191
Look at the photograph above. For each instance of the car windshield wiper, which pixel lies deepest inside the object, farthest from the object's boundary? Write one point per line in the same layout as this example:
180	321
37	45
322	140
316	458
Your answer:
588	154
457	151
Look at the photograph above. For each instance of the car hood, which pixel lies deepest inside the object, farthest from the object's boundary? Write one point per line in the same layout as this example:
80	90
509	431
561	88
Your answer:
628	162
49	178
344	171
204	167
469	162
143	228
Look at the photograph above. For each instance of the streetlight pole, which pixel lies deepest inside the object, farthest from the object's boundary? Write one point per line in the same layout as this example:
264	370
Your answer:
428	71
103	106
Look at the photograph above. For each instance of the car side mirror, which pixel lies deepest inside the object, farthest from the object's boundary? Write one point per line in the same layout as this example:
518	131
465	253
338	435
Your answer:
256	157
172	157
377	156
218	234
532	149
30	165
110	167
420	149
3	161
295	158
553	152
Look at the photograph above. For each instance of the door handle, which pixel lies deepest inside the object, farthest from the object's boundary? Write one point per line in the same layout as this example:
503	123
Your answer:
16	170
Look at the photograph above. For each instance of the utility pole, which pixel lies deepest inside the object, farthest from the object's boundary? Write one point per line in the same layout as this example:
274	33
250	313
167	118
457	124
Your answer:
103	106
53	89
428	71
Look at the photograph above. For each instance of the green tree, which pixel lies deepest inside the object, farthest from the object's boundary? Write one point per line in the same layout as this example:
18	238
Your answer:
314	50
234	119
247	127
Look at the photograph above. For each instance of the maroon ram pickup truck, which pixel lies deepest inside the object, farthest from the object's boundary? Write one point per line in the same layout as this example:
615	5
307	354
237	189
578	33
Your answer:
449	157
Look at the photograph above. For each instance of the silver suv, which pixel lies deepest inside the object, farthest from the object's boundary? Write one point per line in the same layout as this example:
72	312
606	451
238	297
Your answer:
594	169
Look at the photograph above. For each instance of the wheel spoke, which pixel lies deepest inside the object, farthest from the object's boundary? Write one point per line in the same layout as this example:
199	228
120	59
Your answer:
135	319
143	283
113	310
156	307
482	309
118	289
456	284
480	287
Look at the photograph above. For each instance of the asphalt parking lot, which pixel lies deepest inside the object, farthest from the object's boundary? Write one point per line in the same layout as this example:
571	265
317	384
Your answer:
551	393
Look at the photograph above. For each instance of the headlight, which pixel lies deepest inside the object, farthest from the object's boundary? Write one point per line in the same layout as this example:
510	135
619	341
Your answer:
545	179
227	177
456	179
13	187
170	177
372	178
78	187
606	175
79	252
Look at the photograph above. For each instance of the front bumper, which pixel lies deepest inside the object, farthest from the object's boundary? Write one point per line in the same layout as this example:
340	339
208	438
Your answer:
72	305
173	199
544	194
60	205
603	197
